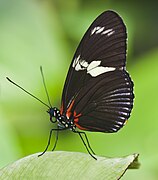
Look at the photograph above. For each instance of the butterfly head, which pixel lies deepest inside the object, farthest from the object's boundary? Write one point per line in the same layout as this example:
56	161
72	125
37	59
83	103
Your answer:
54	113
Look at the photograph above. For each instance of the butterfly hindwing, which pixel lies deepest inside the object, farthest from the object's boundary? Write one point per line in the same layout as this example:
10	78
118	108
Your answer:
106	104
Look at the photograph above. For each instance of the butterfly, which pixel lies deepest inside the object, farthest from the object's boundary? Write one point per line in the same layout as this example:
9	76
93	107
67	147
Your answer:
98	92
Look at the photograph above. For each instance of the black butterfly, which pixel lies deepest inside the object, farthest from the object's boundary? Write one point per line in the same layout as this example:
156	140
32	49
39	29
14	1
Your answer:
98	91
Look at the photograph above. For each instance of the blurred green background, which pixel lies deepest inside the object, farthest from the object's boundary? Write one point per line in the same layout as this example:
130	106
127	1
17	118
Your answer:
45	32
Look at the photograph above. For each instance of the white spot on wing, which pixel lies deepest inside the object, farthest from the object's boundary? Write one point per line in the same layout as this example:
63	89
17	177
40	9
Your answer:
100	30
76	61
110	33
93	65
84	63
93	31
107	31
94	68
97	30
78	67
100	70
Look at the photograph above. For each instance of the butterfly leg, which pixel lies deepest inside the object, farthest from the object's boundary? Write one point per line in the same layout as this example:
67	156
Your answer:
50	135
80	134
88	142
56	140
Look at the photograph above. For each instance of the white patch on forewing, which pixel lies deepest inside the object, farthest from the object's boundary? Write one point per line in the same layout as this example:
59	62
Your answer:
100	70
76	61
93	65
84	63
79	64
101	30
97	30
108	32
93	31
93	68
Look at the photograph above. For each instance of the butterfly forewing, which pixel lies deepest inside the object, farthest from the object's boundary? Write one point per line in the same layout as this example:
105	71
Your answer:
97	87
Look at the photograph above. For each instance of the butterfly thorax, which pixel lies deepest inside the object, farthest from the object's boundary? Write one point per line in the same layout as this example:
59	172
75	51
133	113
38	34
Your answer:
62	120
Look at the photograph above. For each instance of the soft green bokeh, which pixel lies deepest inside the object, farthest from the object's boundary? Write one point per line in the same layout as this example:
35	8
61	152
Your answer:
34	33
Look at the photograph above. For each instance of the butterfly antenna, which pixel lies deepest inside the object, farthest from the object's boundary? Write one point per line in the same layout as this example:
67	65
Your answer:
27	92
45	86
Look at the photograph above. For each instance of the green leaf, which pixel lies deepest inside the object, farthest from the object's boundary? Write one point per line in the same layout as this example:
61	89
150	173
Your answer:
68	165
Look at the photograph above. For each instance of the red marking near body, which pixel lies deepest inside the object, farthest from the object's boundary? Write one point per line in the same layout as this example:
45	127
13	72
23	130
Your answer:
80	127
68	113
76	119
61	109
76	116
